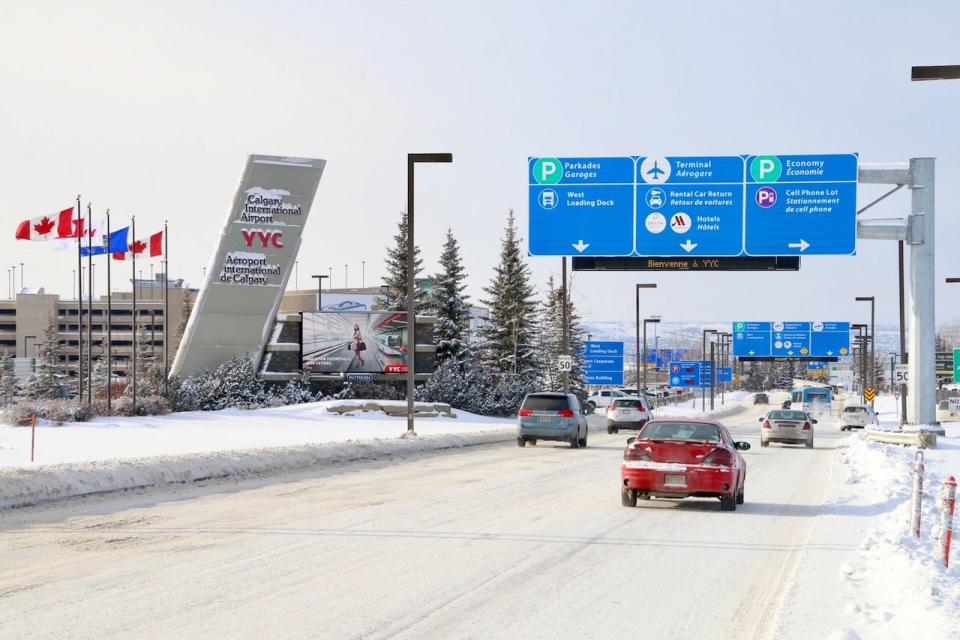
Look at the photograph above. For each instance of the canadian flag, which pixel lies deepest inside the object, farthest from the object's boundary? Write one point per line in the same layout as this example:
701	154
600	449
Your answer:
61	225
139	246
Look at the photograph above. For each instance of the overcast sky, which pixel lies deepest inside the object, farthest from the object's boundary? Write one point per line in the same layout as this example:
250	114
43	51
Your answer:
151	108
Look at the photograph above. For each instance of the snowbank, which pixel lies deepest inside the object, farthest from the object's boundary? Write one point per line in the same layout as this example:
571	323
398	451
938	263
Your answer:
110	454
896	585
735	402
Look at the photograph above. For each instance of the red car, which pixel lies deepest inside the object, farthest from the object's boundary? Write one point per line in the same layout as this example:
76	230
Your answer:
681	458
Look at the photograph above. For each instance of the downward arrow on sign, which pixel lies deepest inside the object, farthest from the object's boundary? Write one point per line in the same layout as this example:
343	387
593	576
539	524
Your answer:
580	246
688	246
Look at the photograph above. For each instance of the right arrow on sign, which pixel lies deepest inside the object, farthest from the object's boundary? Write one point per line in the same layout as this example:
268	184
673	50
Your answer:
802	245
688	246
581	246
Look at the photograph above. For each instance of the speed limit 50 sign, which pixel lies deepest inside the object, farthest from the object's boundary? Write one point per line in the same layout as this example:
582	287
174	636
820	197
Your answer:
900	374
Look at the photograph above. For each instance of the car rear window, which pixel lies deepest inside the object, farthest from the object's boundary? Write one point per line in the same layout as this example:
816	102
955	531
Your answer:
761	396
787	415
854	410
546	403
627	404
679	431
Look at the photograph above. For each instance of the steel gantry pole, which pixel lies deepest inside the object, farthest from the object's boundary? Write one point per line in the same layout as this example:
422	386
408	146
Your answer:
922	366
703	358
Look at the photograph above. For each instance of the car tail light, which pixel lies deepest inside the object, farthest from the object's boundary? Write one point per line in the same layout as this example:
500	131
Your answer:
806	426
636	453
565	413
641	408
720	457
766	424
525	412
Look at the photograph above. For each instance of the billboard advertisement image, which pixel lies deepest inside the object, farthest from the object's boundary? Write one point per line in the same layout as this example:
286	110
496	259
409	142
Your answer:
354	342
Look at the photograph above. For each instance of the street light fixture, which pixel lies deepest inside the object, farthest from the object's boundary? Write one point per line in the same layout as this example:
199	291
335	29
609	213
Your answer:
953	280
320	280
935	72
873	341
412	160
648	285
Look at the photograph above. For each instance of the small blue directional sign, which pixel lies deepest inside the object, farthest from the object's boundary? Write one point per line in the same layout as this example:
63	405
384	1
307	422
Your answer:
801	205
690	206
581	206
724	374
755	205
685	374
791	339
603	362
660	357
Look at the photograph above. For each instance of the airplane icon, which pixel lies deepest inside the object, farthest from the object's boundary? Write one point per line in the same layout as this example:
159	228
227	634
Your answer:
655	172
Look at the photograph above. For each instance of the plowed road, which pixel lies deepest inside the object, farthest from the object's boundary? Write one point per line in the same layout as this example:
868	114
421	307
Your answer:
489	542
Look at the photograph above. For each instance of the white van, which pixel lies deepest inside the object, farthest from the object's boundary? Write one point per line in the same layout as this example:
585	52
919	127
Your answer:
948	410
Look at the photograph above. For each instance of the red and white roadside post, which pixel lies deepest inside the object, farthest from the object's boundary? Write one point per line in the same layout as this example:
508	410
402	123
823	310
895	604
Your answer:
946	517
916	502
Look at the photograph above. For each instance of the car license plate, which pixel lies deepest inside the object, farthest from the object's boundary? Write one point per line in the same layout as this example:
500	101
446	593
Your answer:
789	425
675	480
544	419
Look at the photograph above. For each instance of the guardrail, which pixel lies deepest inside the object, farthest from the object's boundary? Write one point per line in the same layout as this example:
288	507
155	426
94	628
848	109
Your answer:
919	439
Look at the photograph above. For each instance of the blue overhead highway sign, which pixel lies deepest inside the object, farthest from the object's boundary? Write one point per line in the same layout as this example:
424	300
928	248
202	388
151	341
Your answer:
672	206
791	339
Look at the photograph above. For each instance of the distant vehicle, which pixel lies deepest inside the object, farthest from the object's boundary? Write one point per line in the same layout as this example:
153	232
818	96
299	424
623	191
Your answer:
630	391
628	413
682	458
948	410
552	416
604	398
858	416
788	426
761	398
811	399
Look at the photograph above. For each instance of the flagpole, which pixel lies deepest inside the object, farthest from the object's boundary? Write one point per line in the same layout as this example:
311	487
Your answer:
166	310
133	262
79	303
106	242
90	304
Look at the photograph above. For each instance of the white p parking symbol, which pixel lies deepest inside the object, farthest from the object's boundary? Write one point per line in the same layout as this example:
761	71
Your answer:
547	169
766	166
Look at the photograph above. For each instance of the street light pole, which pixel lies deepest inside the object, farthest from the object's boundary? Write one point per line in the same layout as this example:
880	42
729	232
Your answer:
873	339
320	280
639	286
703	358
647	321
412	160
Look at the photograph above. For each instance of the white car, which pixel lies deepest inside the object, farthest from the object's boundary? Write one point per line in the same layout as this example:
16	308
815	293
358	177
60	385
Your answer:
858	416
787	426
628	413
605	398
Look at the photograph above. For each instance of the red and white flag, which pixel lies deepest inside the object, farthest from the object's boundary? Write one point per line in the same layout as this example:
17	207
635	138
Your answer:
55	227
139	246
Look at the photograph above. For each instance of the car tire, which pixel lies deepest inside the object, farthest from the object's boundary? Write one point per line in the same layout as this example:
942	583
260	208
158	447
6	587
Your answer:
728	503
583	441
611	430
533	441
521	442
764	443
628	497
591	406
740	496
575	441
809	444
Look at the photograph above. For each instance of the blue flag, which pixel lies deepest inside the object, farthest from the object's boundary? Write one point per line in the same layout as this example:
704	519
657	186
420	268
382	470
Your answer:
117	244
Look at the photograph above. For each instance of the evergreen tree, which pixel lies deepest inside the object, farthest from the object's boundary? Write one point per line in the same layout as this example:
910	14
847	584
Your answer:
8	383
449	303
145	362
395	298
47	381
509	336
99	381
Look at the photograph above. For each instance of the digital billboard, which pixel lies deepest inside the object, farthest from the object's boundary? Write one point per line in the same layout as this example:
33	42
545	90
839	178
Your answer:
353	342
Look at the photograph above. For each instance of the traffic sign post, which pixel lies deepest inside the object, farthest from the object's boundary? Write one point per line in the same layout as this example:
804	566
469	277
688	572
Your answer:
603	363
673	206
791	339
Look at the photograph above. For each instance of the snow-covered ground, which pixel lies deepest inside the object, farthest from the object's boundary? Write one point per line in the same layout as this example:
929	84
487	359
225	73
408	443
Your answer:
110	454
894	586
